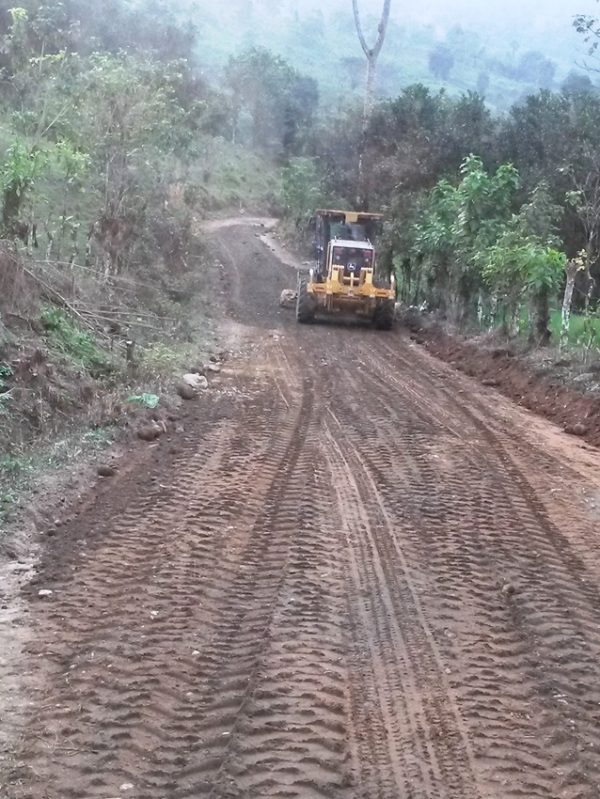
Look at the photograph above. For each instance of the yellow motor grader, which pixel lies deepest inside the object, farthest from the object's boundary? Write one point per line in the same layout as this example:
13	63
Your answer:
343	278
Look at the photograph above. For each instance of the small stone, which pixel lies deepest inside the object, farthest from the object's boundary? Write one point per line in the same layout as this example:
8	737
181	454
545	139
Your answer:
577	429
127	786
508	589
287	298
105	470
43	592
490	381
196	381
214	367
587	377
149	432
186	392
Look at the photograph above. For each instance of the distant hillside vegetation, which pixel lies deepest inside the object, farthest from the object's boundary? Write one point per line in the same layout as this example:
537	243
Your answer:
503	65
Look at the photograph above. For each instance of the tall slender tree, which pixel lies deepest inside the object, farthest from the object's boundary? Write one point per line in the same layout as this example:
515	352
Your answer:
372	54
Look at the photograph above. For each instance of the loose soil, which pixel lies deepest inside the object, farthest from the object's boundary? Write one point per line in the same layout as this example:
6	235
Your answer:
536	380
356	573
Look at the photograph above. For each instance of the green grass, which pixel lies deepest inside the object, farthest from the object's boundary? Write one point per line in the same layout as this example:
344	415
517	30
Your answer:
76	345
14	465
15	471
228	177
5	395
21	470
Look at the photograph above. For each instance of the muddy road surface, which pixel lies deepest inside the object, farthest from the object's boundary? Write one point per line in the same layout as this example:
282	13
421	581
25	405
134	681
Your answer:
355	574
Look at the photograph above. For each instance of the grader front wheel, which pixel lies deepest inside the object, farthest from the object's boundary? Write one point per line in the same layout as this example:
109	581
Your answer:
305	304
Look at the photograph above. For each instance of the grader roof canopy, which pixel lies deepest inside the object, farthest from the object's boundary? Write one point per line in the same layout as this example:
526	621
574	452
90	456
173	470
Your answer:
349	217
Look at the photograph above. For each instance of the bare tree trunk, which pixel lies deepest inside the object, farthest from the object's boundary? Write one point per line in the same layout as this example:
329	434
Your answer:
369	89
572	269
542	313
372	54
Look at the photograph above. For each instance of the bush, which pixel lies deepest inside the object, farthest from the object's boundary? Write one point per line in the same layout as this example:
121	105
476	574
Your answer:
77	345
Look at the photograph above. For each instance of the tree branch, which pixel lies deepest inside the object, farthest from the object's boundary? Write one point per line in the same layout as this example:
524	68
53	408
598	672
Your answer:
359	30
372	52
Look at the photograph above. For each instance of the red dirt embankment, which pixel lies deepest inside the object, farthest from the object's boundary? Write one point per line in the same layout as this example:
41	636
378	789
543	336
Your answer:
534	380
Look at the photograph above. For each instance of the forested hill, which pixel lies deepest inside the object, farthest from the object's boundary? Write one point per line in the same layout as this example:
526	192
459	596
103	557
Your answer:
503	55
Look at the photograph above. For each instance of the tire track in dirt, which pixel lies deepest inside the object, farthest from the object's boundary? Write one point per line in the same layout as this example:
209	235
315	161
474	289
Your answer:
159	559
553	628
408	674
258	740
225	638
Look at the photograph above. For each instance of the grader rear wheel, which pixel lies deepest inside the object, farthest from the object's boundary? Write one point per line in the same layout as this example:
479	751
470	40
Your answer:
384	317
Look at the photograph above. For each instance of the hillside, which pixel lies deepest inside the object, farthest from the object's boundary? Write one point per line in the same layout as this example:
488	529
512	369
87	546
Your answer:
502	56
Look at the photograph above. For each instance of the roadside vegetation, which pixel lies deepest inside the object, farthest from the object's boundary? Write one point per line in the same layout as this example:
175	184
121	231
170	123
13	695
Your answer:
113	148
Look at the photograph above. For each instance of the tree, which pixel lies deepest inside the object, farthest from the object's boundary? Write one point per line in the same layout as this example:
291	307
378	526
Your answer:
584	197
459	223
589	27
278	101
535	68
441	61
372	54
572	267
577	82
302	189
17	179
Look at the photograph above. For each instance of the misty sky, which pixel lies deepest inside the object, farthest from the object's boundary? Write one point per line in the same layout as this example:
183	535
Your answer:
527	21
520	15
506	13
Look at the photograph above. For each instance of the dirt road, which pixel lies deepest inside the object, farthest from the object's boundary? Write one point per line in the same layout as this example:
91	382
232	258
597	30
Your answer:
356	574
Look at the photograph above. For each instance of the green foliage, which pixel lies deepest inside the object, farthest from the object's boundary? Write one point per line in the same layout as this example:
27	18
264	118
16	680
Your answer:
457	225
515	265
302	189
14	465
147	400
17	178
158	360
584	330
470	244
7	505
76	344
277	103
99	437
5	373
441	61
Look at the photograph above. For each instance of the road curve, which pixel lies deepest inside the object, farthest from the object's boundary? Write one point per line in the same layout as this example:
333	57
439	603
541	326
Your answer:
356	574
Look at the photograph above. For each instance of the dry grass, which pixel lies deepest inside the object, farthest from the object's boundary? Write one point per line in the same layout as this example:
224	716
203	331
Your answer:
17	291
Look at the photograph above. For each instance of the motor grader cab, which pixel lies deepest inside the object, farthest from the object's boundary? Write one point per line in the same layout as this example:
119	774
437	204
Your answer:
343	277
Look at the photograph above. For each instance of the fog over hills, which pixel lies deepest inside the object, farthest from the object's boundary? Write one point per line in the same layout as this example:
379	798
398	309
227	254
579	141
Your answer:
503	50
